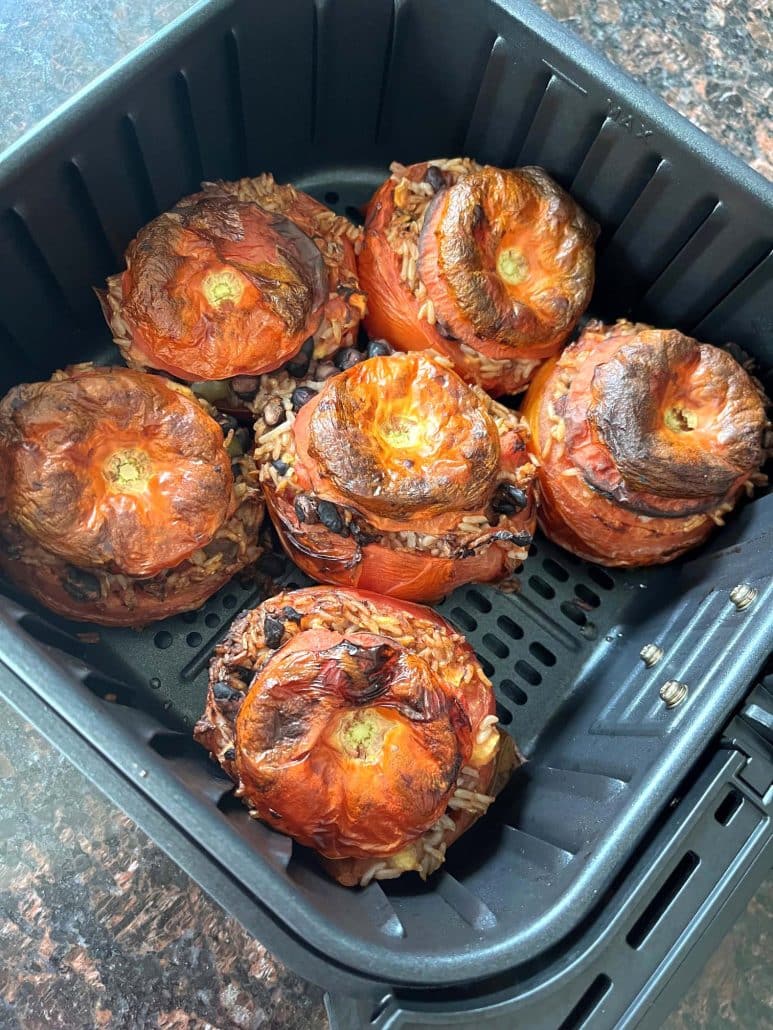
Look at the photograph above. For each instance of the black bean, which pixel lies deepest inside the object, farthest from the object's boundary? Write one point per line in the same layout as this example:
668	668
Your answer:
80	585
434	177
301	395
361	535
306	508
236	469
273	631
298	366
245	386
347	358
289	614
330	517
281	466
378	349
509	499
222	692
227	423
230	754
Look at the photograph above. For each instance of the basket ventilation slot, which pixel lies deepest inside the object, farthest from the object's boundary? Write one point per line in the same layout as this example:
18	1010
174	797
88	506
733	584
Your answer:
665	897
588	1004
728	807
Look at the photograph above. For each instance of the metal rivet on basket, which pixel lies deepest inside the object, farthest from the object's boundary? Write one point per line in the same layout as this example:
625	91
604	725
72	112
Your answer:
743	595
673	693
651	654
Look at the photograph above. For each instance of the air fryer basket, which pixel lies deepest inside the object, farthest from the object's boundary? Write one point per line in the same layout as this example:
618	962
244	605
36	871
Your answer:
326	93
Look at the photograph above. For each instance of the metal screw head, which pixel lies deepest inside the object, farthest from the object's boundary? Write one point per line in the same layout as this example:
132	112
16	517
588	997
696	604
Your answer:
743	595
651	654
672	693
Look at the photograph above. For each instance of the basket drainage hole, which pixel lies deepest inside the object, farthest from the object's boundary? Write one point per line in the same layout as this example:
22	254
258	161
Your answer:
664	898
486	665
190	616
500	649
212	620
511	628
589	597
229	601
542	654
528	672
587	1004
542	588
555	570
193	639
477	600
162	640
601	578
728	807
464	619
504	715
354	215
514	692
331	197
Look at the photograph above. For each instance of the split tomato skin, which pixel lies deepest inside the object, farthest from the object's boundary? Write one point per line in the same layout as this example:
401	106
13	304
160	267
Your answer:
233	281
490	267
645	439
400	480
348	721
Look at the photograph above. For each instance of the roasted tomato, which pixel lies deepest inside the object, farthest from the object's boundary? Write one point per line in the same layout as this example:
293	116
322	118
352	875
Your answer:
120	504
645	439
362	727
398	477
491	267
233	282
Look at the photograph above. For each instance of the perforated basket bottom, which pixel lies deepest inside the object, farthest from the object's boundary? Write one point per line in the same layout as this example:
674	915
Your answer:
531	645
563	654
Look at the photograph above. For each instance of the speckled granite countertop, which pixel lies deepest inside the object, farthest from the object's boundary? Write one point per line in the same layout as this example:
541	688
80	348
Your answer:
98	928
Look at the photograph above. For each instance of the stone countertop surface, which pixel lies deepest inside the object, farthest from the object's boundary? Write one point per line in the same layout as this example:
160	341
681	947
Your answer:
98	928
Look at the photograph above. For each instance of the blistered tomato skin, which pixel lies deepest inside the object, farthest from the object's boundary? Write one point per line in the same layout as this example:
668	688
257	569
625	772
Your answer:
405	438
217	288
114	479
491	267
646	439
404	480
234	281
356	730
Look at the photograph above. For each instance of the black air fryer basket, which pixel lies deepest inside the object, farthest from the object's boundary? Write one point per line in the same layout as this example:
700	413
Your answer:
636	832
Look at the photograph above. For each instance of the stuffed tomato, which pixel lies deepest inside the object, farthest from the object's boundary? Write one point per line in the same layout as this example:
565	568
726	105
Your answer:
241	279
360	726
119	500
491	267
399	477
645	439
